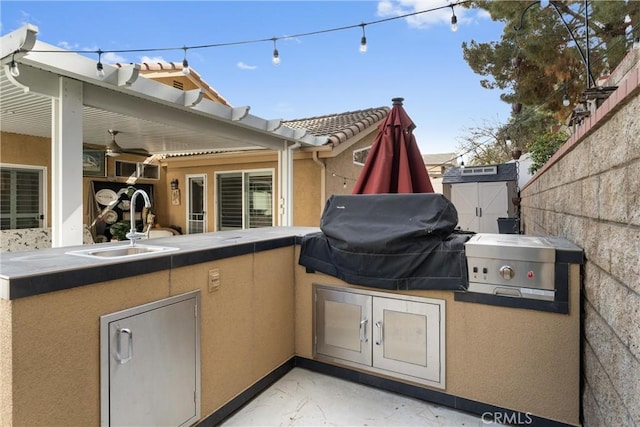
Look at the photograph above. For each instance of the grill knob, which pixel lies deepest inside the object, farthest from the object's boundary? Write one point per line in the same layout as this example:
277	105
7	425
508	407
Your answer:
506	272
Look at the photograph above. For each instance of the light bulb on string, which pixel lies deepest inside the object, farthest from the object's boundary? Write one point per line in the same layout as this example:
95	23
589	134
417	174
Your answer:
185	64
99	66
13	68
276	54
454	20
363	40
565	99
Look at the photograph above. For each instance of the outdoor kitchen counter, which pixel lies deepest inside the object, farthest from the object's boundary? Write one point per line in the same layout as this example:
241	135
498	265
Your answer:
52	303
24	274
256	323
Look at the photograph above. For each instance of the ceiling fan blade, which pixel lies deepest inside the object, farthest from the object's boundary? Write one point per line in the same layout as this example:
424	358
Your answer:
136	151
113	149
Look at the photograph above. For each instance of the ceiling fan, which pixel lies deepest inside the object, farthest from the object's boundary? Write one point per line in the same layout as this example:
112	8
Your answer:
113	149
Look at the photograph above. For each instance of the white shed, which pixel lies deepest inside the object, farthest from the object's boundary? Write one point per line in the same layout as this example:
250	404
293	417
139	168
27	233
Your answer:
482	194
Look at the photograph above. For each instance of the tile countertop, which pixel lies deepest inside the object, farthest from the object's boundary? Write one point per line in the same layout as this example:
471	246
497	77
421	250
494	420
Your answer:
24	274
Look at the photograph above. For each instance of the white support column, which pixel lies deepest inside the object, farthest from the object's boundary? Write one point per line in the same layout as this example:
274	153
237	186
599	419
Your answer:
66	164
290	182
285	184
283	196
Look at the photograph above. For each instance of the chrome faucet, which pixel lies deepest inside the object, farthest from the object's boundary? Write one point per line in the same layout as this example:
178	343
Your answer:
133	234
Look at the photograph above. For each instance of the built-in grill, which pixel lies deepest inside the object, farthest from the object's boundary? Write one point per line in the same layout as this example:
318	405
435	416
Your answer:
518	266
410	242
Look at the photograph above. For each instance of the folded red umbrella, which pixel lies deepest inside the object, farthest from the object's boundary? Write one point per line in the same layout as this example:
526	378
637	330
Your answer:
394	163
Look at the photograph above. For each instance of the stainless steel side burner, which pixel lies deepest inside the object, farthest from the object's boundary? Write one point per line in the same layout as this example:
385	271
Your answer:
512	265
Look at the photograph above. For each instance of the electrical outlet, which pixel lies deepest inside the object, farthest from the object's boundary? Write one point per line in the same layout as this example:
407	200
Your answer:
214	279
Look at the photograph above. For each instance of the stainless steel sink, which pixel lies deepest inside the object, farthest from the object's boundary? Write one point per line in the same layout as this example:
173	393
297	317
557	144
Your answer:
122	251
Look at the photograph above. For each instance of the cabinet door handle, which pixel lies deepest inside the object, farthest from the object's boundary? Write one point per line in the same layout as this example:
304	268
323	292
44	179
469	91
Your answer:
363	330
119	358
379	326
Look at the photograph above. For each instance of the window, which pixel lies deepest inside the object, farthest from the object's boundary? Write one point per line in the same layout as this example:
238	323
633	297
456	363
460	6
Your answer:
137	170
360	156
21	197
245	200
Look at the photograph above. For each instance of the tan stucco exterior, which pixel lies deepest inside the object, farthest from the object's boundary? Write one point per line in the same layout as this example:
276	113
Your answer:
260	317
308	197
36	151
518	359
50	364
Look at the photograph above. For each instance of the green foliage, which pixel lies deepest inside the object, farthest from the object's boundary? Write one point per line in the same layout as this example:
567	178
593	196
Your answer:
120	229
543	147
550	59
549	65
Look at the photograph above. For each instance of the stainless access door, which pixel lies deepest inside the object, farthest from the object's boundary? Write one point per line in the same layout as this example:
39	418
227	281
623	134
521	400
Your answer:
343	326
407	337
151	364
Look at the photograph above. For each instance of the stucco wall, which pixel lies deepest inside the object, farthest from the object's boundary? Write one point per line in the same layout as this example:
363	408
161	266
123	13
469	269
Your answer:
589	192
17	149
524	360
306	189
28	150
50	343
346	171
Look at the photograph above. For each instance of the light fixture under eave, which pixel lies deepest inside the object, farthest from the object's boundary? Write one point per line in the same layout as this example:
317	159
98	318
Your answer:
13	68
113	149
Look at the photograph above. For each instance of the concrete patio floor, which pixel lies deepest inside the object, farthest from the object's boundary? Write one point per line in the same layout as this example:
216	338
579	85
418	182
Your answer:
306	398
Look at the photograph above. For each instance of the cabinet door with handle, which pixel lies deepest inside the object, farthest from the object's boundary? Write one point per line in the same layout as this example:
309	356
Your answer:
343	326
407	337
152	365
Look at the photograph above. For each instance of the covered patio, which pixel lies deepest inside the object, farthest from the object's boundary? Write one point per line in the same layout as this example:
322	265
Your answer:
57	94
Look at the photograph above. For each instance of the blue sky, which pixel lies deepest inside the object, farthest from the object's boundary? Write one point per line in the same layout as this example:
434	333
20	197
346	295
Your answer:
417	58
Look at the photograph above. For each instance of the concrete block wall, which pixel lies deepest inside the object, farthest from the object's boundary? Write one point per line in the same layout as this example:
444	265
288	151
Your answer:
589	192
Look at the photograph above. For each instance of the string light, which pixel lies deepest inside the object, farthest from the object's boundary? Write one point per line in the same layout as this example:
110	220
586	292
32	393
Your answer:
274	39
185	64
565	98
276	55
363	40
13	68
344	179
454	20
99	66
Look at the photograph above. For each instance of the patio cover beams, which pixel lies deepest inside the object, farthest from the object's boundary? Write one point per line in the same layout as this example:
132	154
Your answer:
78	96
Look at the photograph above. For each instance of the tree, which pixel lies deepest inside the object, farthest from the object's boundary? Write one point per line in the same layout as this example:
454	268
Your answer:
493	143
549	61
543	147
537	63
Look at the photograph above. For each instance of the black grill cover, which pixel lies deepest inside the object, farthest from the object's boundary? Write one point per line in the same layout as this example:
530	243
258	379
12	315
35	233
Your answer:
389	241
